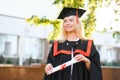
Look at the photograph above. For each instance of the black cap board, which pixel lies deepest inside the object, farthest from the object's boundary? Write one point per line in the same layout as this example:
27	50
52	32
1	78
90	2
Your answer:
67	11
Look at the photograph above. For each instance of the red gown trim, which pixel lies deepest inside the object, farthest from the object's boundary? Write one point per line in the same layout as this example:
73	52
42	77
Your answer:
85	53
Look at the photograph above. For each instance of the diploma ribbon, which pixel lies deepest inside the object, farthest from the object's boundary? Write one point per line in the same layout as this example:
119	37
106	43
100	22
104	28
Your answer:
63	66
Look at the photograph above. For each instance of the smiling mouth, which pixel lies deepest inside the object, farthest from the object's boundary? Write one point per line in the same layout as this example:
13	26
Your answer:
69	26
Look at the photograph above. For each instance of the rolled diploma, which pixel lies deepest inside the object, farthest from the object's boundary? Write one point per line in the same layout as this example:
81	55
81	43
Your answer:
64	65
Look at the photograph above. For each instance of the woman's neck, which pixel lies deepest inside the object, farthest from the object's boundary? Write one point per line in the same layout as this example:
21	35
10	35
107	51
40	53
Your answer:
72	37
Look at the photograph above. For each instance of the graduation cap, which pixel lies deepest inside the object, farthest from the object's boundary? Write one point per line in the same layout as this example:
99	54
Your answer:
71	11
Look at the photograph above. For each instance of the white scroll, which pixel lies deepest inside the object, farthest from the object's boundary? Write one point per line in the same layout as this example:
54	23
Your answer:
64	65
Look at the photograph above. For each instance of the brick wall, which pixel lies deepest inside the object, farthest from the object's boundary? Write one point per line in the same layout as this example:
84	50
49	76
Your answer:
22	73
111	73
37	73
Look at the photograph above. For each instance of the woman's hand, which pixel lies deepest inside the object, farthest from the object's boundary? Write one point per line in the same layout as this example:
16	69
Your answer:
48	68
80	57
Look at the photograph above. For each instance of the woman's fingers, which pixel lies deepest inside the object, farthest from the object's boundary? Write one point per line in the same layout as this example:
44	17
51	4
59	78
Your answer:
80	57
48	68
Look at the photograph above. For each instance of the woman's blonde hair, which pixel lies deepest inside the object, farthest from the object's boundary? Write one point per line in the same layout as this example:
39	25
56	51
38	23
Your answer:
79	29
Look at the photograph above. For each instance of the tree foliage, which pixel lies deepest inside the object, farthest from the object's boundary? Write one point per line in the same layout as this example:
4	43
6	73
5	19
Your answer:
88	21
116	34
115	8
35	20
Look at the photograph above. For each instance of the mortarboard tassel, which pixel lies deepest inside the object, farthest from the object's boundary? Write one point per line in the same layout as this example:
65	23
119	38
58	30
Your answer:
77	15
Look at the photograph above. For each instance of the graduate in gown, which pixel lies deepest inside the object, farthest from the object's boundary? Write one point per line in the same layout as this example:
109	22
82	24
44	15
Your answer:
73	44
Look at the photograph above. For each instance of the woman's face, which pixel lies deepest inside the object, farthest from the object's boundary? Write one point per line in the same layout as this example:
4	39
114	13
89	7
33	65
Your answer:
69	23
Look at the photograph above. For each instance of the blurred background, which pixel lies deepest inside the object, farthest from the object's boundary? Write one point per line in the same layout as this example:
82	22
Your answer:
28	28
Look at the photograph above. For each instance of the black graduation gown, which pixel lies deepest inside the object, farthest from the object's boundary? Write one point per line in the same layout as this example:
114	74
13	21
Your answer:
79	71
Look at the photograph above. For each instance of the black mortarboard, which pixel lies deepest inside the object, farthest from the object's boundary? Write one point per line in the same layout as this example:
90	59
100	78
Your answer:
71	11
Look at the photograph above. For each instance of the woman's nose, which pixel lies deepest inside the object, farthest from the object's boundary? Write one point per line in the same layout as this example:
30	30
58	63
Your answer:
67	22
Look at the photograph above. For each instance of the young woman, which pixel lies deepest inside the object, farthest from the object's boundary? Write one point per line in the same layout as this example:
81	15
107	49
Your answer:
72	44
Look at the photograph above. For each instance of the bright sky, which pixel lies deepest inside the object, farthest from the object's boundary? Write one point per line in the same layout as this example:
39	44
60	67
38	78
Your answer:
106	17
27	8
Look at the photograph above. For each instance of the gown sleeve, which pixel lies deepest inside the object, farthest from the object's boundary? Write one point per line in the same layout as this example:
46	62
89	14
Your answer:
95	67
50	59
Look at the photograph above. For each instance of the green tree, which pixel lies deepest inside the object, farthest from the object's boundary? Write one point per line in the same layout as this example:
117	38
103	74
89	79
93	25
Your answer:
2	59
88	21
115	6
35	20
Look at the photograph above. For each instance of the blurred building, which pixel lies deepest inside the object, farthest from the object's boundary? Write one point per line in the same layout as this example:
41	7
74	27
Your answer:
22	44
108	48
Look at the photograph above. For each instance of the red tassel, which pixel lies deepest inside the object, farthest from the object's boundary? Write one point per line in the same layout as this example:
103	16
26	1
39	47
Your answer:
77	15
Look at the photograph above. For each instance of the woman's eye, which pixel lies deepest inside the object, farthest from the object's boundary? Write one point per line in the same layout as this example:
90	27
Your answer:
69	20
65	21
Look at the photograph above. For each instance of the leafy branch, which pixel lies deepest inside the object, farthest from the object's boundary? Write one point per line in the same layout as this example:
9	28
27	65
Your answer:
35	20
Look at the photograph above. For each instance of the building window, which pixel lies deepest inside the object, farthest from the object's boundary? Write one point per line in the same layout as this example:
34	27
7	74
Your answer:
109	55
8	49
17	52
33	50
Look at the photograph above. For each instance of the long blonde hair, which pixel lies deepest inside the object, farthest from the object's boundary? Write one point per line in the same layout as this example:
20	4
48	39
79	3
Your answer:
79	29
